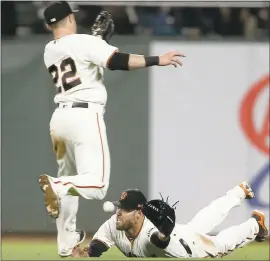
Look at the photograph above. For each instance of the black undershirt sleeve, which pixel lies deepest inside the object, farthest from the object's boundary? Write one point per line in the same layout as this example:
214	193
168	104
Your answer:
97	248
155	240
119	61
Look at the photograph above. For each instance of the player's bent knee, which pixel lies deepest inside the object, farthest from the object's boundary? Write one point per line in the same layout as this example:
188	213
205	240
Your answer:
92	192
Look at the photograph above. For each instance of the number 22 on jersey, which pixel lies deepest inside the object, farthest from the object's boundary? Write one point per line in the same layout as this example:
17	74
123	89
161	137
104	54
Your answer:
62	74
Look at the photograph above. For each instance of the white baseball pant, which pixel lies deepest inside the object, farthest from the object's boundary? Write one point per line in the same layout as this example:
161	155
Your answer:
195	233
80	142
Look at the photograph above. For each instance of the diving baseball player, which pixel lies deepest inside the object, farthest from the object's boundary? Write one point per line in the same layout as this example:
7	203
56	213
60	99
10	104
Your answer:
76	63
147	229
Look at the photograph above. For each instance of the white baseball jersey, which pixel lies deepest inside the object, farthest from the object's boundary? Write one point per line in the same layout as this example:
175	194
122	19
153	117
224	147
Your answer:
141	245
76	63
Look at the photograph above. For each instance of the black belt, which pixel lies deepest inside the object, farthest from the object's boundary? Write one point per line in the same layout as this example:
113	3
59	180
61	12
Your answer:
186	246
75	105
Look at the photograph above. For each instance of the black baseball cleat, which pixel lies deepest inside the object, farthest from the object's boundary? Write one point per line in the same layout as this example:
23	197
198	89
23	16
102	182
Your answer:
82	236
263	231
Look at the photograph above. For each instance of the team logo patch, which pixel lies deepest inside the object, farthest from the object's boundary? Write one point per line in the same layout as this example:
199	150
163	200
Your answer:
256	128
123	196
256	132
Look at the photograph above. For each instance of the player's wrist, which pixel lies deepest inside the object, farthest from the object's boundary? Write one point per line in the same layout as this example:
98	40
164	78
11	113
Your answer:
159	240
162	237
151	60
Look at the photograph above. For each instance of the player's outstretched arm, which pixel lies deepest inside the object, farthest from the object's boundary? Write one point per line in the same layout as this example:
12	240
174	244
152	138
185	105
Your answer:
99	52
125	61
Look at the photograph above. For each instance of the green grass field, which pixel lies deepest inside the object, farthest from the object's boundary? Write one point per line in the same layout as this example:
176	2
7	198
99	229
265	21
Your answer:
45	249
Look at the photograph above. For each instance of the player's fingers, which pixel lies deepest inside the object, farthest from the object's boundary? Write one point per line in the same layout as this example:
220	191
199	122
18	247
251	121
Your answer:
174	64
176	53
177	60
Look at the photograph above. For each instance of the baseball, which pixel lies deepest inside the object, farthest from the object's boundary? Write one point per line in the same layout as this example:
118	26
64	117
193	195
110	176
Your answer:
108	206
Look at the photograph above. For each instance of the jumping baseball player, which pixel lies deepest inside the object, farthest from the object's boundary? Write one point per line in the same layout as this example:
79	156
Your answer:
76	63
147	229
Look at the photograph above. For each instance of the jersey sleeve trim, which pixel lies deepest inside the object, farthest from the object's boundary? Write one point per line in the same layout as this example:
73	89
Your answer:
108	60
97	248
155	240
102	242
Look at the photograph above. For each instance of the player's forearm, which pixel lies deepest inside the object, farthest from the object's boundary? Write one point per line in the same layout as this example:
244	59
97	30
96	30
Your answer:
125	61
140	61
160	240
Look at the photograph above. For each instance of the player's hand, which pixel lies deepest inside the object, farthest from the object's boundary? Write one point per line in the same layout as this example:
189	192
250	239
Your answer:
171	58
79	252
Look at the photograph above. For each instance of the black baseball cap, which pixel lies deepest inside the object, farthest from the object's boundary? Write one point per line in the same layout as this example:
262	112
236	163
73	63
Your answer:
57	11
131	199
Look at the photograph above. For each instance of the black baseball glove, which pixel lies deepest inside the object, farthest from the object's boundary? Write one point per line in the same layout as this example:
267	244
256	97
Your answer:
161	214
103	26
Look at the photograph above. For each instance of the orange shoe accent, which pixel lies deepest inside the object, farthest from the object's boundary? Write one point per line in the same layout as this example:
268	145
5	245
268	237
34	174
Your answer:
247	189
262	218
263	230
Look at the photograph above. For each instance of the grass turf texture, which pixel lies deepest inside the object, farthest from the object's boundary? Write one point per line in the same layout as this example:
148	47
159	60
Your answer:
45	249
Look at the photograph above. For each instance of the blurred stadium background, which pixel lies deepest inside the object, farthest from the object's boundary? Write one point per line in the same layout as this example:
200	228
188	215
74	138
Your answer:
190	133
